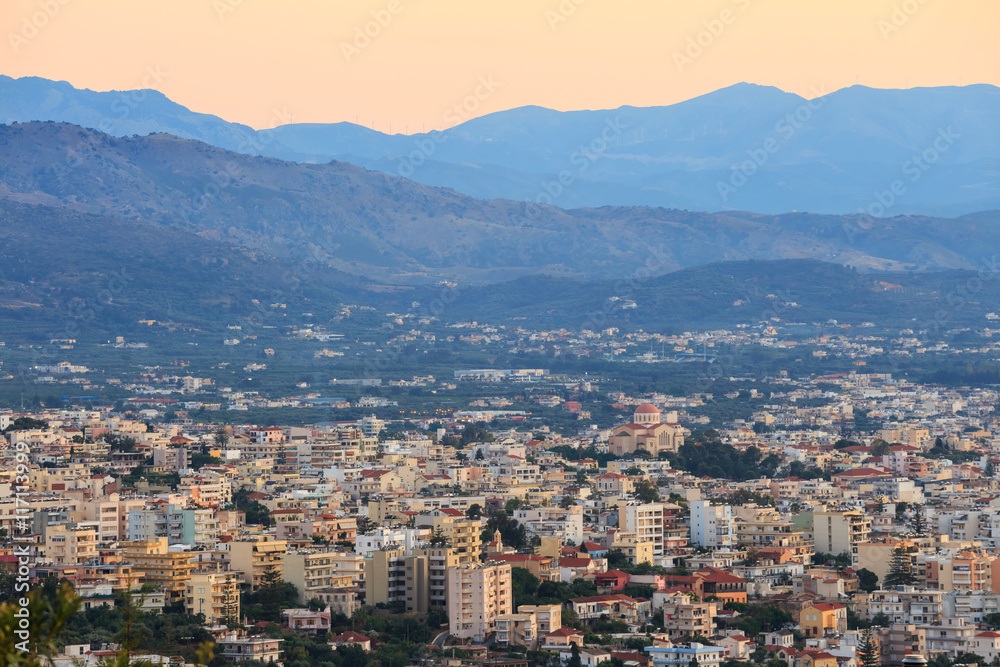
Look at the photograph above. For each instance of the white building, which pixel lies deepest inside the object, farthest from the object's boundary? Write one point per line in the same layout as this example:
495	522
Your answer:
406	539
712	526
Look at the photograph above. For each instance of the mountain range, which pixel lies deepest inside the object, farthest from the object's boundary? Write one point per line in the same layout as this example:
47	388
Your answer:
203	237
394	231
745	147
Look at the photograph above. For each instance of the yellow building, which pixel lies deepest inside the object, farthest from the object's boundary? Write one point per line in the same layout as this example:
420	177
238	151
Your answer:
529	625
821	618
71	545
385	576
463	535
439	561
214	594
636	549
254	557
154	563
316	572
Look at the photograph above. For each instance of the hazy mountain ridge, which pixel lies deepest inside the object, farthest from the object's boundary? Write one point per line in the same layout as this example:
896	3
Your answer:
832	155
393	230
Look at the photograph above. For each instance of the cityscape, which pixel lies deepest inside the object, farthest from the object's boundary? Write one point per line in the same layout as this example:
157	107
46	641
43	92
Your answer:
521	334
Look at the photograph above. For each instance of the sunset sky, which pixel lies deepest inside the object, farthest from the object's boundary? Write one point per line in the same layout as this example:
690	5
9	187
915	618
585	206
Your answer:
262	62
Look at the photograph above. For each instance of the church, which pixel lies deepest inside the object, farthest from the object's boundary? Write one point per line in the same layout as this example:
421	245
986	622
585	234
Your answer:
647	433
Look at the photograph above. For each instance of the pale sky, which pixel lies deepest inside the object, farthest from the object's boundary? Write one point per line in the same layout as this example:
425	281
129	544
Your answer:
262	62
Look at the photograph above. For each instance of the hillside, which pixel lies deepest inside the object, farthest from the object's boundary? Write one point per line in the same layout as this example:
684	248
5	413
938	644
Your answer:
748	292
827	155
391	230
66	274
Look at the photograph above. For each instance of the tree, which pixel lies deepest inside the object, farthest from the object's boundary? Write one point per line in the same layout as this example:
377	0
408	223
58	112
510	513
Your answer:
880	506
868	649
221	437
867	580
439	539
46	619
574	657
475	511
900	571
881	620
647	493
512	505
26	424
901	508
879	448
119	443
917	523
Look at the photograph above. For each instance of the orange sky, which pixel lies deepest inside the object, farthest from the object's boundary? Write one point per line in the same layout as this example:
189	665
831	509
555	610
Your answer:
261	61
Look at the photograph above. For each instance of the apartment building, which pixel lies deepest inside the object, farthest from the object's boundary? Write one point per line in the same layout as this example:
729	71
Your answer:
406	538
840	532
71	544
951	636
763	527
254	556
964	571
477	595
539	566
155	563
214	594
439	561
564	523
194	526
111	513
907	605
900	640
385	576
636	549
646	520
712	526
682	655
463	535
206	489
529	626
684	617
317	572
238	649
